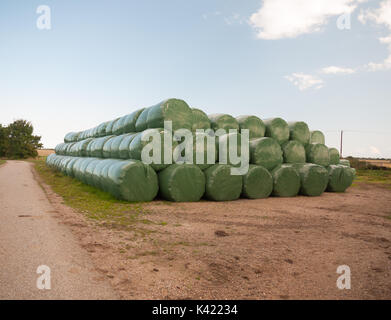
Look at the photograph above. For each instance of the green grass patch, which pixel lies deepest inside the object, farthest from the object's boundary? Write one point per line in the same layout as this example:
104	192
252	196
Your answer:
2	161
379	177
95	203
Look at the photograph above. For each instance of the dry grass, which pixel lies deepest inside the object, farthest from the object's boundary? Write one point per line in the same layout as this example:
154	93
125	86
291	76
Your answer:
45	152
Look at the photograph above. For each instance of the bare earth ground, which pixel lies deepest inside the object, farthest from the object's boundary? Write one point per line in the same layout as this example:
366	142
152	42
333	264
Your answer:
276	248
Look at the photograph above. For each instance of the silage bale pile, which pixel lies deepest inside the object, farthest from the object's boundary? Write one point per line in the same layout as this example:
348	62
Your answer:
286	158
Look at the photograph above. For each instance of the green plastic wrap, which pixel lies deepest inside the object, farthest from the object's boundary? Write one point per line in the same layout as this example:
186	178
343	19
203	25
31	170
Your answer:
200	120
129	124
334	156
181	182
221	185
255	126
128	180
265	152
174	110
109	127
97	146
136	146
69	167
71	137
114	146
102	129
106	150
118	126
286	181
317	137
200	150
277	129
124	146
141	123
340	178
344	162
257	183
225	157
299	131
82	147
293	152
313	178
223	121
317	153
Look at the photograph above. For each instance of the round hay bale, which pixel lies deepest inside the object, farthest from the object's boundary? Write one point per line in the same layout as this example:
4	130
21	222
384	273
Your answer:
200	120
277	129
314	179
257	183
299	131
265	152
221	185
233	144
223	121
317	137
286	181
182	183
97	146
344	162
340	178
124	146
334	156
109	127
255	126
141	123
129	124
114	146
175	110
293	152
318	153
106	151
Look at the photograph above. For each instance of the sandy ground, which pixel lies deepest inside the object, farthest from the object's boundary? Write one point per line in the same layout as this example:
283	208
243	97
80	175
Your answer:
30	236
276	248
248	249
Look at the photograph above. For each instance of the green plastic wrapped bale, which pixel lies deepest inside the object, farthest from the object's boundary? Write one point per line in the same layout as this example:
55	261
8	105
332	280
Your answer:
175	110
317	137
203	147
277	129
89	171
69	168
109	127
132	180
317	153
255	126
200	120
58	148
137	145
129	124
141	123
182	182
286	181
118	126
265	152
96	177
344	162
314	179
340	178
221	185
228	149
82	147
102	129
257	183
354	173
97	146
106	150
114	146
293	152
334	156
223	121
71	137
299	131
124	146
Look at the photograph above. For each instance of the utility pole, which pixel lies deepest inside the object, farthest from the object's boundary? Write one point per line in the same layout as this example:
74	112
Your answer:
340	151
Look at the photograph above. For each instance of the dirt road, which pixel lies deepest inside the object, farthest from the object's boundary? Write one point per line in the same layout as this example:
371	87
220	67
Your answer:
30	237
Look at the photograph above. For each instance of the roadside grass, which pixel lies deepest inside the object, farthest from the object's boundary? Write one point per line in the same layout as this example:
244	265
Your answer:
378	177
94	203
2	161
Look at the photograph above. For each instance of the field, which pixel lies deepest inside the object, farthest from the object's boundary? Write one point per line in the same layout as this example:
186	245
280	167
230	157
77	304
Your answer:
286	248
44	152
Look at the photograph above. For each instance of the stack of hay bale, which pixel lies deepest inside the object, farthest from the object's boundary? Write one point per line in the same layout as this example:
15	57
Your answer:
286	159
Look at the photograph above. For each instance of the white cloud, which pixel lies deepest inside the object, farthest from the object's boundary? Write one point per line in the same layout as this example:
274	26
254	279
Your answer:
337	70
278	19
305	81
374	150
381	16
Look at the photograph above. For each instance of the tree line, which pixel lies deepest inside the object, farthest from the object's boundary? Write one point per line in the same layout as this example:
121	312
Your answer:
17	140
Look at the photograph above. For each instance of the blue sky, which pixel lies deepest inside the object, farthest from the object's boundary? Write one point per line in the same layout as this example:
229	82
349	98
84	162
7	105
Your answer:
103	59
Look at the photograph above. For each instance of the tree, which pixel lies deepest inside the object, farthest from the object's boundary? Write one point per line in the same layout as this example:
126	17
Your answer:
17	140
